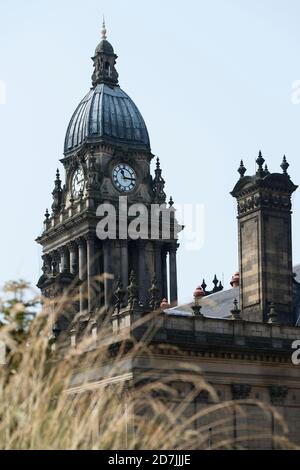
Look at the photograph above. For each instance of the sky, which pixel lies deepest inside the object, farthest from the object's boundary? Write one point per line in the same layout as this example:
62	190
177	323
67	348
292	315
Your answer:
212	79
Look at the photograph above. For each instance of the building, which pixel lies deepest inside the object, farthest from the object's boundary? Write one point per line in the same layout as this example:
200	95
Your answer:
245	347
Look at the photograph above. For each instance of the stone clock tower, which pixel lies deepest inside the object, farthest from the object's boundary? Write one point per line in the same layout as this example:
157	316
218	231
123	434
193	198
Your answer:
106	155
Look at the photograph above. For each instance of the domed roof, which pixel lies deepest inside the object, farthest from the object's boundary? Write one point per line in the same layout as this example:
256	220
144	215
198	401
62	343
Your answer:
105	47
107	114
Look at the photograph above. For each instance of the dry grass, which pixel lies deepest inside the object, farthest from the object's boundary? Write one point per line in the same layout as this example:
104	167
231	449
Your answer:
46	405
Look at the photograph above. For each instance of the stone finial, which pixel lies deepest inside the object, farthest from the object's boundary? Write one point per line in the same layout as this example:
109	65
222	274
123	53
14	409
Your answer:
215	283
119	296
47	216
266	170
242	170
132	289
236	312
57	194
272	315
158	185
285	165
260	162
154	294
171	202
204	286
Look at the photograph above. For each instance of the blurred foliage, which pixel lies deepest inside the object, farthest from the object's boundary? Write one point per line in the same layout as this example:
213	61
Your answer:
18	308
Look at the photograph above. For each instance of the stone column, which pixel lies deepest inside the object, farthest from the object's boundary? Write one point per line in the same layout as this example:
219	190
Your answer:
73	250
47	263
143	282
173	275
158	267
82	274
164	273
55	256
124	265
91	271
64	259
108	277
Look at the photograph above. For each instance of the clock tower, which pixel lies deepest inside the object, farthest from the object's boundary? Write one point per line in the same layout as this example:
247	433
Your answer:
106	162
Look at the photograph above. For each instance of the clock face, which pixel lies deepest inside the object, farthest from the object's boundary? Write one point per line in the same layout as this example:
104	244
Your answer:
78	182
124	178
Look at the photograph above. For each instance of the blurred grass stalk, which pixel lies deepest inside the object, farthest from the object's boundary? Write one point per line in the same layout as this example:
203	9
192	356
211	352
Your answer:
41	407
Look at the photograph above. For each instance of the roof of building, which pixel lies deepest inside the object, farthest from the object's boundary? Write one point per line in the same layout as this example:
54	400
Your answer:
219	305
107	114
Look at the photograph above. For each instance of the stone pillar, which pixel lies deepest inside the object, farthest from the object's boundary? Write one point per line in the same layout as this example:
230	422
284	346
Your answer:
82	274
164	272
124	265
108	276
64	259
158	267
47	266
91	271
143	281
173	275
73	250
55	256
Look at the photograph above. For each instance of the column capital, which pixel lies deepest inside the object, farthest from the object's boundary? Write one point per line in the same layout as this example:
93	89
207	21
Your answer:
62	250
90	237
173	248
123	243
80	241
72	245
55	255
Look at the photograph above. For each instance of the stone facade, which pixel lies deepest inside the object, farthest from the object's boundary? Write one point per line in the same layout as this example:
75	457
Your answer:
245	351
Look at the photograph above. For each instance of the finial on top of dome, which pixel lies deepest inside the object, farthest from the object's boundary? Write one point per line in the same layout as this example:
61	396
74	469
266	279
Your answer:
285	165
104	30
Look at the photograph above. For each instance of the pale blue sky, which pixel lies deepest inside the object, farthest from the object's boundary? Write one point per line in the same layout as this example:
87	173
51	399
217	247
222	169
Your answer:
213	80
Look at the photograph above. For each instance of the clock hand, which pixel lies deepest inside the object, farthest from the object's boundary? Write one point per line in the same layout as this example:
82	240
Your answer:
129	179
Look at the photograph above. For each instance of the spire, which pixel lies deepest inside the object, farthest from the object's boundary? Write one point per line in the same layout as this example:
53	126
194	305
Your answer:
103	31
